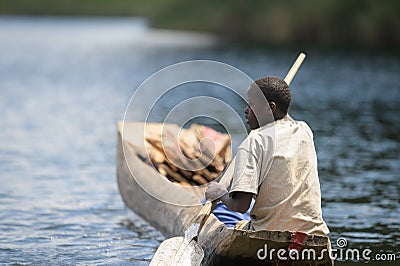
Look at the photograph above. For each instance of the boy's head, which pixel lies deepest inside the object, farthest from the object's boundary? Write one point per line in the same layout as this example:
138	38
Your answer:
269	99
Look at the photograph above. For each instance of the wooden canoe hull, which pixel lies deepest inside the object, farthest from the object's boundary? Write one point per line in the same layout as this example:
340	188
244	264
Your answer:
220	244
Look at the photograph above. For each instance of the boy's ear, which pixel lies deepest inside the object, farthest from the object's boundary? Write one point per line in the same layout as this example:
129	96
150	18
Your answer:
272	105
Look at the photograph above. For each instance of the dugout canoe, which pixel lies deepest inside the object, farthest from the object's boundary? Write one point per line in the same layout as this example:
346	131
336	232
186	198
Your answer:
221	245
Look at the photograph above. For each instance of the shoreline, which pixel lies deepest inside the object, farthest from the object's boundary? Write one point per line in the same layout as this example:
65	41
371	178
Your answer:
139	31
361	25
190	38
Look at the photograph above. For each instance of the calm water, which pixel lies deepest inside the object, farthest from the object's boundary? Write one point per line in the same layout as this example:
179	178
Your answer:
65	82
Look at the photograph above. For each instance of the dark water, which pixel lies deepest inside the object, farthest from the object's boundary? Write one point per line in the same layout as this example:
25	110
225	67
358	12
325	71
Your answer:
64	82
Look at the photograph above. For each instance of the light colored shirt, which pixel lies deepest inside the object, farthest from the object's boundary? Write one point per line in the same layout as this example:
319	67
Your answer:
278	164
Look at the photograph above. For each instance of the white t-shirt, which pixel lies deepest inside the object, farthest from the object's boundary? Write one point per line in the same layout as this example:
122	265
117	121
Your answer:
278	164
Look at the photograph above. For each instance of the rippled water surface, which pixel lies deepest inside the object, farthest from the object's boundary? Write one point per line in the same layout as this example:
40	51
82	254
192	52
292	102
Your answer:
64	82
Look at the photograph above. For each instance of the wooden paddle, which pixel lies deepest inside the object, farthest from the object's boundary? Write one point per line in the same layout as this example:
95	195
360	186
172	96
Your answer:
293	70
185	250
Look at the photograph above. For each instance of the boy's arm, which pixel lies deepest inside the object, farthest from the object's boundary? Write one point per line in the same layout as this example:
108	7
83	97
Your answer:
238	201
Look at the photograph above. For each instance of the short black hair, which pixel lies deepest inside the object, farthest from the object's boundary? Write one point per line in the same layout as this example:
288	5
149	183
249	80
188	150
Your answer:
277	90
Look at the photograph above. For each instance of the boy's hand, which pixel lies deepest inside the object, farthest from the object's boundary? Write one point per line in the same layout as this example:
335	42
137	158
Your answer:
215	191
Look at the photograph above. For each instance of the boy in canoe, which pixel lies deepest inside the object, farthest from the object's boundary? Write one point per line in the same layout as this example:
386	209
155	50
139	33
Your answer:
276	165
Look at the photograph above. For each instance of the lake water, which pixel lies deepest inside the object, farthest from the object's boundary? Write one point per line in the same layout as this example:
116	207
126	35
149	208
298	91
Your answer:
64	82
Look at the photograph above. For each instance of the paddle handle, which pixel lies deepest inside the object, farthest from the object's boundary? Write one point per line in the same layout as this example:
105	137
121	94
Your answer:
205	213
293	70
